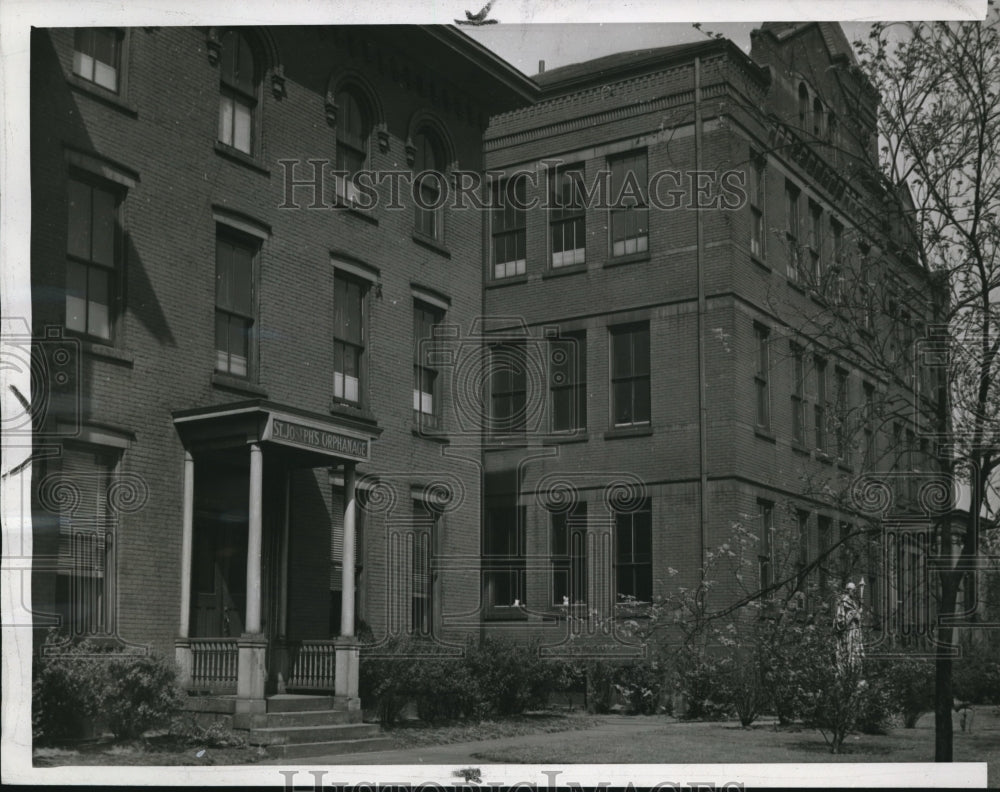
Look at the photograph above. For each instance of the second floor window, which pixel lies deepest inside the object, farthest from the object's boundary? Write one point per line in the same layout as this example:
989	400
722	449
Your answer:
630	374
97	56
819	408
509	227
629	213
508	387
568	381
755	193
348	338
792	231
764	555
234	304
798	395
504	561
238	93
843	413
762	368
567	217
92	248
426	388
816	242
568	548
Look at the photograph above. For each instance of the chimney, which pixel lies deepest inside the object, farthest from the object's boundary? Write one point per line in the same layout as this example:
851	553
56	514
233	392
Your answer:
541	67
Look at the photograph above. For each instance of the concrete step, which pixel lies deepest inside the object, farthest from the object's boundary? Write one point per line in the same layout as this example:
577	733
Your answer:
295	735
312	718
291	702
331	748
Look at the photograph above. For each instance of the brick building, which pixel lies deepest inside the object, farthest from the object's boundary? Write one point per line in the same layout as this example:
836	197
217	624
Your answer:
511	411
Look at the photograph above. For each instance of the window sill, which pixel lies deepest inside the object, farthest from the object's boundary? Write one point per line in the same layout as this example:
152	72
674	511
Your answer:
620	432
576	436
431	244
558	272
427	435
760	263
228	382
107	352
364	215
631	258
109	98
348	410
822	456
765	434
846	467
506	440
798	448
517	279
796	285
238	156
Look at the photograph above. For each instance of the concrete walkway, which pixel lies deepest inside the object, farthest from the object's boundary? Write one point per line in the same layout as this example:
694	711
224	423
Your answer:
614	729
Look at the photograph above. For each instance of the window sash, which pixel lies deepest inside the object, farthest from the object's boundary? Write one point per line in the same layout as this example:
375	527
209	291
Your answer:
97	56
761	378
568	555
567	382
425	376
633	554
630	375
508	387
92	258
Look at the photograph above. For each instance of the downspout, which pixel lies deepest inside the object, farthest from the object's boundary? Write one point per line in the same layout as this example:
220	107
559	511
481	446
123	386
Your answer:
700	266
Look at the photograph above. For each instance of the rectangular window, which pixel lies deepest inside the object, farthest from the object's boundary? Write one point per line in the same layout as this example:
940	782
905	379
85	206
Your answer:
92	255
634	555
843	414
816	242
234	304
568	553
630	215
802	532
85	595
792	231
426	387
348	338
568	381
508	387
509	227
237	92
819	408
870	450
504	558
567	217
823	533
798	395
765	554
761	376
755	193
630	374
838	285
97	56
421	596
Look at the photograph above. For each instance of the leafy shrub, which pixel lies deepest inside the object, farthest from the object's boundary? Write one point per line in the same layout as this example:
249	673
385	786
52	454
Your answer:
878	706
444	690
215	735
512	676
742	685
977	675
640	686
910	683
75	682
701	681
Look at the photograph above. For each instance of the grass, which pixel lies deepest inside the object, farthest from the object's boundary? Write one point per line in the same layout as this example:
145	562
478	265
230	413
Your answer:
159	751
415	733
673	742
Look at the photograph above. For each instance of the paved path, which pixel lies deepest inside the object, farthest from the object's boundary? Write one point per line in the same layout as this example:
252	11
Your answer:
613	729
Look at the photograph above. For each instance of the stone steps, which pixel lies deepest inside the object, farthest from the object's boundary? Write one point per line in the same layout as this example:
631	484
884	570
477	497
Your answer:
293	735
330	748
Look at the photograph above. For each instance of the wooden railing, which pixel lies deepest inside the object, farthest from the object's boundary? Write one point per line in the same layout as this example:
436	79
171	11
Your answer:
214	664
312	665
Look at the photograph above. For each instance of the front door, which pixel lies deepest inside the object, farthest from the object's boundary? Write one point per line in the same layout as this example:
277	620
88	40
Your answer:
219	580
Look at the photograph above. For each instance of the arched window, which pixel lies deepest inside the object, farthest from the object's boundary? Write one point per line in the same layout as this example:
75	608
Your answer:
353	129
803	105
238	93
817	117
428	166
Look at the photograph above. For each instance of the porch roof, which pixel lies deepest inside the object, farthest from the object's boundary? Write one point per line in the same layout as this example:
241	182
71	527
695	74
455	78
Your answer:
306	438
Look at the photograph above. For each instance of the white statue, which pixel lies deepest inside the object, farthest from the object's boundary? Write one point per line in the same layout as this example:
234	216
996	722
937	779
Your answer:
847	626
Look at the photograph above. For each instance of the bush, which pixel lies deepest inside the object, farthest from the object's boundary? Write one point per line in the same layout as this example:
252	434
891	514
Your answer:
701	681
910	684
494	677
878	705
90	680
640	686
977	675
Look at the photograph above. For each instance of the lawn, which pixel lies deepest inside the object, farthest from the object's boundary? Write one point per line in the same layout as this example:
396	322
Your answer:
667	742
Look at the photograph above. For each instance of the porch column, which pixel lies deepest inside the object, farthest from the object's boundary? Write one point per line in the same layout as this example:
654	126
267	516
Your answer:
254	540
347	580
348	651
250	705
182	646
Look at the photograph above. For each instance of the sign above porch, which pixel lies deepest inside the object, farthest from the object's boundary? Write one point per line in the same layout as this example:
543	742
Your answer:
298	433
306	439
